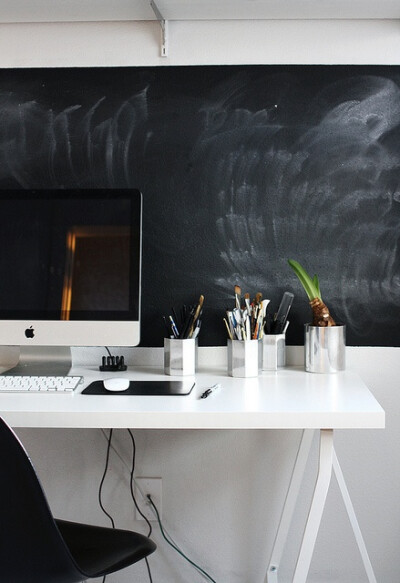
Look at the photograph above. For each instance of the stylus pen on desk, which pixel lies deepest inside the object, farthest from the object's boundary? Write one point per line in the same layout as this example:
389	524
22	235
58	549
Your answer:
209	391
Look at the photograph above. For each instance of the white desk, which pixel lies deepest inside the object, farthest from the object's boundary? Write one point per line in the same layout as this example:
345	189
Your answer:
288	399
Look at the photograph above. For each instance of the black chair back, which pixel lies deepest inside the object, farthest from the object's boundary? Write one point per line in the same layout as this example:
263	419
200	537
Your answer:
31	547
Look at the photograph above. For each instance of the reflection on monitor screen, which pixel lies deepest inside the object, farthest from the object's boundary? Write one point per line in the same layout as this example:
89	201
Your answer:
97	274
70	267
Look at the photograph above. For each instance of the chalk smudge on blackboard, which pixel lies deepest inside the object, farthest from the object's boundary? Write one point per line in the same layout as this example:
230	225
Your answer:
308	192
75	146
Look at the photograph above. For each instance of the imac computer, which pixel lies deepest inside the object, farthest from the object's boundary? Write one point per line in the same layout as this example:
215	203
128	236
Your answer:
70	270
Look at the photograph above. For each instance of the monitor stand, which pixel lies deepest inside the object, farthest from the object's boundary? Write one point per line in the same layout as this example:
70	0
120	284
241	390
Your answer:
42	361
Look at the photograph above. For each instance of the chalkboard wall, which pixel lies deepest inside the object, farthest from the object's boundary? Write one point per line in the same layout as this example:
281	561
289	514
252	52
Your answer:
241	167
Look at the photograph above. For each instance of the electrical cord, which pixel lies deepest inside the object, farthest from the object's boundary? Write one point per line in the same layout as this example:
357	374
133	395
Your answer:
174	546
110	446
166	535
134	481
109	439
131	484
103	478
134	498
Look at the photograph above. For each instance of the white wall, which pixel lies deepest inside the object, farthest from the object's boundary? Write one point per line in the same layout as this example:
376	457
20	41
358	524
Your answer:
222	490
204	42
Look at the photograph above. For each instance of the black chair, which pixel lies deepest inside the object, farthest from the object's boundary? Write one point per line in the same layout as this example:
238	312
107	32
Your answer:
35	547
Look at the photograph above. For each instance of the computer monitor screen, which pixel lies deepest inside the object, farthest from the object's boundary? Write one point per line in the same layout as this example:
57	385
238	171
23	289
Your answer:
70	266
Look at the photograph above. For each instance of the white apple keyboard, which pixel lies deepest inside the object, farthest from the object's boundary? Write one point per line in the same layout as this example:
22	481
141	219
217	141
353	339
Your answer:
39	384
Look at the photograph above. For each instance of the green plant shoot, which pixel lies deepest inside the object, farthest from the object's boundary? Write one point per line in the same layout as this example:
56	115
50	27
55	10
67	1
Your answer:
321	315
310	285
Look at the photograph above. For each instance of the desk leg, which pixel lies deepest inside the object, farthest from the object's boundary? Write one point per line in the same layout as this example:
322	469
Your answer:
317	506
353	519
327	461
289	505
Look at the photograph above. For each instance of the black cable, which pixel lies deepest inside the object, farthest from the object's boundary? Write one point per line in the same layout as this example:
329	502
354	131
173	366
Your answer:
108	350
109	446
103	478
101	485
134	498
131	484
174	546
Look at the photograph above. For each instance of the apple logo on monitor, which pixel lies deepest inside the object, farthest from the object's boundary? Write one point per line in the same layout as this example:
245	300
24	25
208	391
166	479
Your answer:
30	332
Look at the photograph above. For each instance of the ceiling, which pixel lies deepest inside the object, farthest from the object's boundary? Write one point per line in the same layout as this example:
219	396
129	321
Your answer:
113	10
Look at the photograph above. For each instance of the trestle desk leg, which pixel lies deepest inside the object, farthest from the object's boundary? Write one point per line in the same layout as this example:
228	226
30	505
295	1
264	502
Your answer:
289	505
353	519
317	506
327	461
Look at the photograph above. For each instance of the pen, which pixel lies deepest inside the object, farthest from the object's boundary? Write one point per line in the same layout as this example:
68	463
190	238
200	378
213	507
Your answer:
174	315
209	391
173	327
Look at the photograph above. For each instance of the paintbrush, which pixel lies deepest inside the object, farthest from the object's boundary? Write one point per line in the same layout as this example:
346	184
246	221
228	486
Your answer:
238	293
264	306
246	324
229	316
187	323
262	317
228	329
256	312
196	315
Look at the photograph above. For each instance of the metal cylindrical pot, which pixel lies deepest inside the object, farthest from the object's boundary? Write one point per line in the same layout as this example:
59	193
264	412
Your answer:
180	356
244	358
273	351
324	348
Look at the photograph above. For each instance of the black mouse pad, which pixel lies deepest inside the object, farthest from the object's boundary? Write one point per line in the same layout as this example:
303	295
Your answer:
144	388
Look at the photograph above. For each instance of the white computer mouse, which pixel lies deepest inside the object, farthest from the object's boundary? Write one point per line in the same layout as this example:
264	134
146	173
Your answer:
116	384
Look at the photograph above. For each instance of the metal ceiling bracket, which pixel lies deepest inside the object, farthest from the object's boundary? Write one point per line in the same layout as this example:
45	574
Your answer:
164	28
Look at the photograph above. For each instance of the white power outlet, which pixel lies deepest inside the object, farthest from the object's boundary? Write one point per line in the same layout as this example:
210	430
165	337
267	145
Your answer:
143	487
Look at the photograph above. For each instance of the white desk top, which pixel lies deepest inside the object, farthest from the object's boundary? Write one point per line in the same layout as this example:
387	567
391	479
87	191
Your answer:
287	399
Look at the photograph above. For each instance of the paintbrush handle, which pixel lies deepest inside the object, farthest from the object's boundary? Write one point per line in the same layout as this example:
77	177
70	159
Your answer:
196	315
228	329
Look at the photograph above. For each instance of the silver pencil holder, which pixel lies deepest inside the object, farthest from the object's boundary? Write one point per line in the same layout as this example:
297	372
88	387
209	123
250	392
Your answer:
273	351
244	358
324	348
180	356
